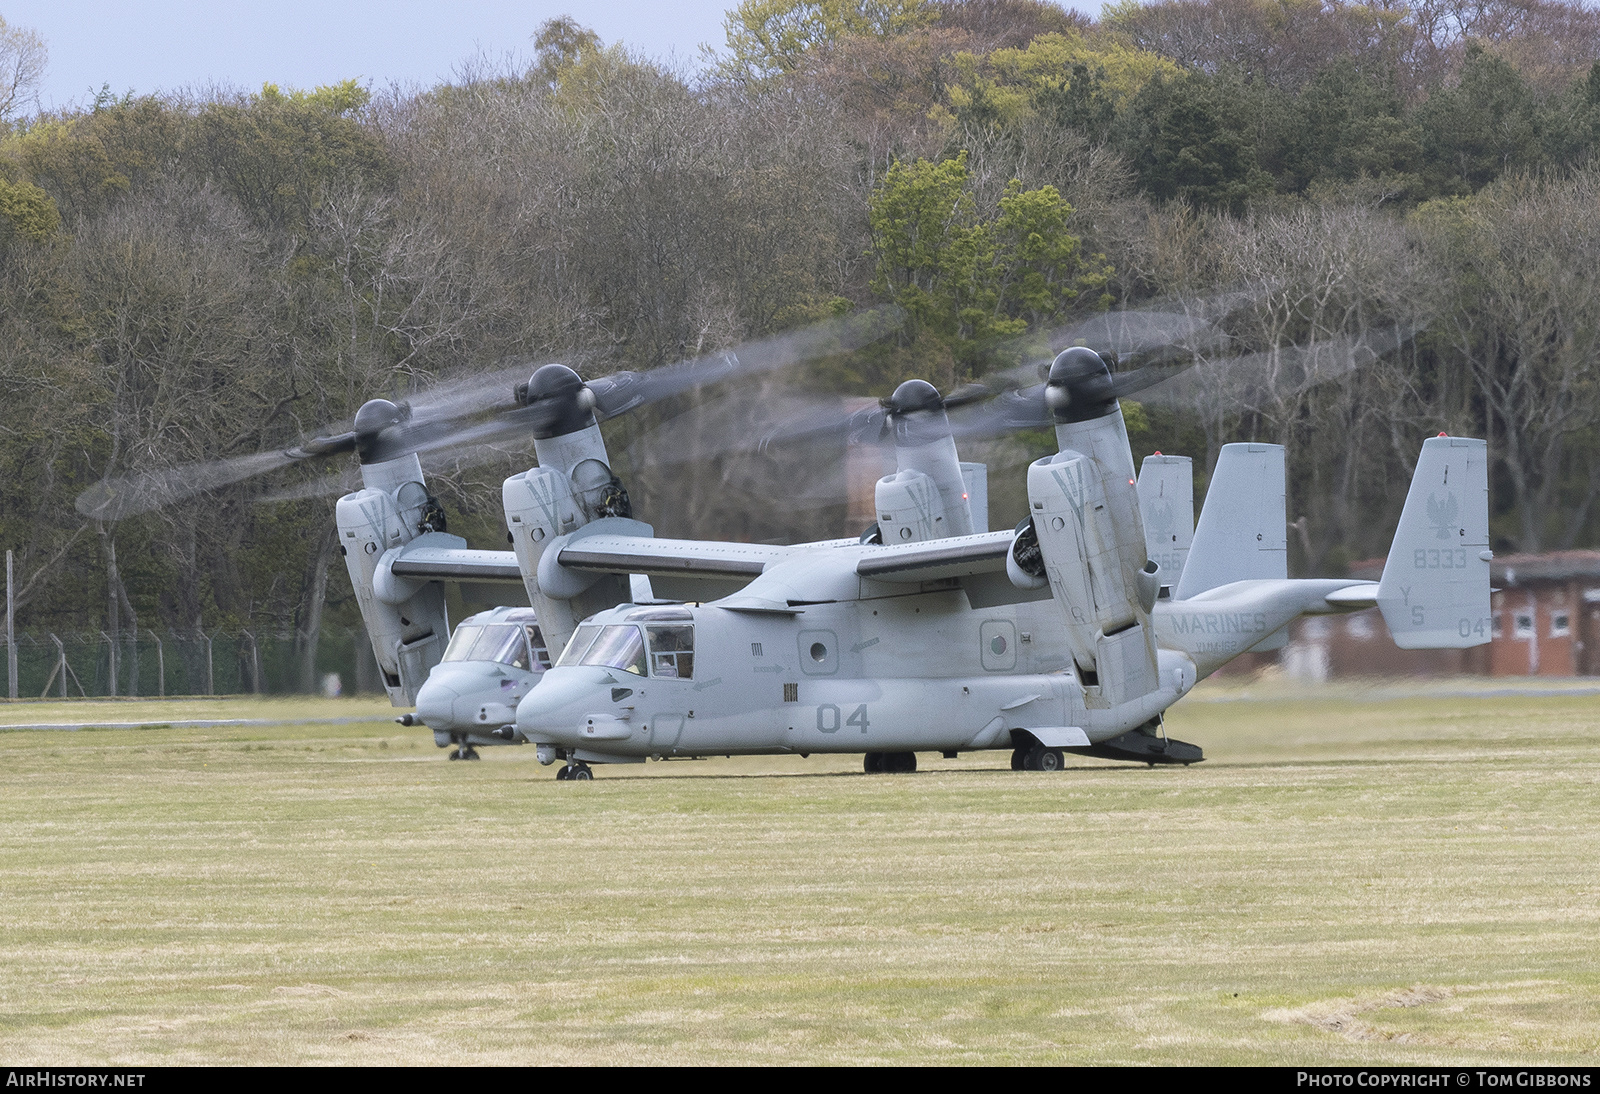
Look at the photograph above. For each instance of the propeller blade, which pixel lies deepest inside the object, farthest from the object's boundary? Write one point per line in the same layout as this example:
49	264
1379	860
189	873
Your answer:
129	495
625	391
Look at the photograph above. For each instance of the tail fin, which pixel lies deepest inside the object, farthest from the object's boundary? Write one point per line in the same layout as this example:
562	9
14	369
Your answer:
1166	504
1435	588
1244	530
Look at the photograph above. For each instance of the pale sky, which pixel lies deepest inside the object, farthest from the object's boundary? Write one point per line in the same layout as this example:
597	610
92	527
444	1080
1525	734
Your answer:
155	46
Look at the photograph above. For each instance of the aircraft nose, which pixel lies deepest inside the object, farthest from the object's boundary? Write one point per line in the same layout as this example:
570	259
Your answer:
435	701
556	701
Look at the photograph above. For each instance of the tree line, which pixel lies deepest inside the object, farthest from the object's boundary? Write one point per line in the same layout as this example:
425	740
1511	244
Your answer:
1388	215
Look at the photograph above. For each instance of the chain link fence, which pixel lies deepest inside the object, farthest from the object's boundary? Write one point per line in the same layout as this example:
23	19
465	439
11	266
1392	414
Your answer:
88	665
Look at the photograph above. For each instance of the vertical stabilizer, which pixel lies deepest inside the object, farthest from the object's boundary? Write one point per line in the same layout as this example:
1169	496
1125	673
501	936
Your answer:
1166	503
1435	588
1243	532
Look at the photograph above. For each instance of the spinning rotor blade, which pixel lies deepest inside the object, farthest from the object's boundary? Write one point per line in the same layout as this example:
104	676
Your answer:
129	495
1255	380
451	416
556	400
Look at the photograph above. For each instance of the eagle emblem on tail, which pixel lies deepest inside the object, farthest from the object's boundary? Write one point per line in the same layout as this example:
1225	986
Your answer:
1443	515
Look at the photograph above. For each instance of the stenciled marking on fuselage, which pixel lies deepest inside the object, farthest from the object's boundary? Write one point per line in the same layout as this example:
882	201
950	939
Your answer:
1072	491
1218	623
544	497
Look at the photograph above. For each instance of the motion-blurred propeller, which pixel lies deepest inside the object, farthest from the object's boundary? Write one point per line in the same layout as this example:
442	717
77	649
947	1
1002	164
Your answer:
475	414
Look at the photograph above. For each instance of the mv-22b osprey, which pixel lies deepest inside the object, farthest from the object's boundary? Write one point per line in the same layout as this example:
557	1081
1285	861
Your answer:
1061	636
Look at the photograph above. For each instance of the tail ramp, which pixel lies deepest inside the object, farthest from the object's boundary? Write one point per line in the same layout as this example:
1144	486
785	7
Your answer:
1166	505
1434	593
1244	530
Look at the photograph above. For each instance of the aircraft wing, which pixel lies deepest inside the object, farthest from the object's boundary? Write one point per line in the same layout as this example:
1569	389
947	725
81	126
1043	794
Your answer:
956	557
977	562
671	557
457	564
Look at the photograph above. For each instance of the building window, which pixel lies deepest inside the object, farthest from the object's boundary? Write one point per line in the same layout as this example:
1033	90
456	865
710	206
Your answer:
1499	626
1560	625
1524	625
1359	626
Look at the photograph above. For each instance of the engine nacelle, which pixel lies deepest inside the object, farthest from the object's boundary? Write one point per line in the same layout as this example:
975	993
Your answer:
910	509
405	619
1078	540
572	487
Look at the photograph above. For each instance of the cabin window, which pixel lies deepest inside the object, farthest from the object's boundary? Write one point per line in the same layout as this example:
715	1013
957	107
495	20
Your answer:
671	651
461	643
1560	625
616	647
541	654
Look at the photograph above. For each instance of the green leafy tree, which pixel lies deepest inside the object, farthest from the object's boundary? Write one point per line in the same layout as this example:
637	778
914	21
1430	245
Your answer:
26	212
1348	125
1473	133
279	154
769	37
968	280
1193	137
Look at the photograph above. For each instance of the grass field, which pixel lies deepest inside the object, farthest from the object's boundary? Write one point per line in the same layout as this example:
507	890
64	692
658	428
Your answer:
1347	879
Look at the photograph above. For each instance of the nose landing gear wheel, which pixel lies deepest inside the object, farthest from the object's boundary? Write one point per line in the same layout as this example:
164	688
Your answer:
577	771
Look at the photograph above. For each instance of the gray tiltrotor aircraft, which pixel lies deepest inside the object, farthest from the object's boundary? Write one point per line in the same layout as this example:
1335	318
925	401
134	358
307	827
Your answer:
1072	633
1051	639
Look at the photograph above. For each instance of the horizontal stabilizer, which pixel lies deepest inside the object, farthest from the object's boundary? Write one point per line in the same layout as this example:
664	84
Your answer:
1435	588
1243	532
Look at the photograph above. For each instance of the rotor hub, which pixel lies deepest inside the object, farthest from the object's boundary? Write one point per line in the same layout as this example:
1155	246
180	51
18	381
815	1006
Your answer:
1079	388
564	402
374	417
916	414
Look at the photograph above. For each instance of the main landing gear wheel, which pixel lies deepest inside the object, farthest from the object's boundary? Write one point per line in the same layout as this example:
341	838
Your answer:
1040	758
900	763
889	763
1019	759
577	771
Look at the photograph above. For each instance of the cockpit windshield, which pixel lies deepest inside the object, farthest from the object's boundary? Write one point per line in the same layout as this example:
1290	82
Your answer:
505	644
612	647
461	643
577	646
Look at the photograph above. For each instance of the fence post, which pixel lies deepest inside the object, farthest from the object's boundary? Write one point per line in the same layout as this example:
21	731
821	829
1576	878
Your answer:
11	632
161	664
255	662
111	652
211	680
62	666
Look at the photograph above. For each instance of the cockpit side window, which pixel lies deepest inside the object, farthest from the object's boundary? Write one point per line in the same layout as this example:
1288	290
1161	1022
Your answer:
461	643
578	645
671	651
541	655
617	647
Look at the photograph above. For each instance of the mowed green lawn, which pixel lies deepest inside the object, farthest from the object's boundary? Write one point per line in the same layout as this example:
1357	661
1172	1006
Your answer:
1406	880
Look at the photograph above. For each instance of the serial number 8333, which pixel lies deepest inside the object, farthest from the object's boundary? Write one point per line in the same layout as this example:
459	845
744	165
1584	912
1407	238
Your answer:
1433	558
